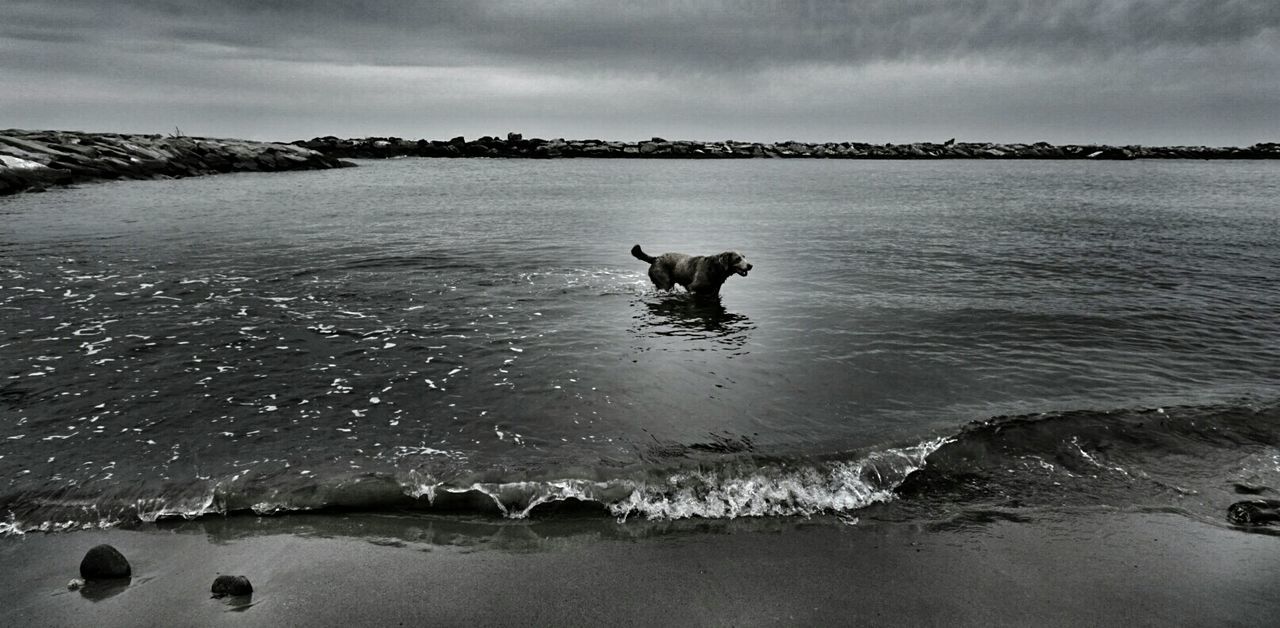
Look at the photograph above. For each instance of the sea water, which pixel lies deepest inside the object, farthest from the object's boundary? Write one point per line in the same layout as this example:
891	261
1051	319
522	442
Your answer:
474	334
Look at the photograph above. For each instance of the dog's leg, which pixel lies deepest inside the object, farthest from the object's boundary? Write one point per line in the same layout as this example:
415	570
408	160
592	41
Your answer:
704	284
705	289
660	277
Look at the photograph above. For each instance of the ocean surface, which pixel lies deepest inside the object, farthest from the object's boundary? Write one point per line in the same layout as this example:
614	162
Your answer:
945	341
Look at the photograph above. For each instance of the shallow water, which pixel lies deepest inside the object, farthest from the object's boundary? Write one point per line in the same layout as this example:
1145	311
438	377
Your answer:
418	329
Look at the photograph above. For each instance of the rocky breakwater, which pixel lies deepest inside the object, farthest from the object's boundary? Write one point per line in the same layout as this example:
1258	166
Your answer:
515	145
34	160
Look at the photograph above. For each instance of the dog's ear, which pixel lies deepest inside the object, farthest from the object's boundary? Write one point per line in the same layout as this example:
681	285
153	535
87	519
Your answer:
725	260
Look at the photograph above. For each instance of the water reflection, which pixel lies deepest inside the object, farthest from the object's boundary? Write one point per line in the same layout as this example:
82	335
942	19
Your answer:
422	531
686	316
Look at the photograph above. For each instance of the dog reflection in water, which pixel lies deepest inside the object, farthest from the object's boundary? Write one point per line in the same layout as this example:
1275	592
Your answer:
685	315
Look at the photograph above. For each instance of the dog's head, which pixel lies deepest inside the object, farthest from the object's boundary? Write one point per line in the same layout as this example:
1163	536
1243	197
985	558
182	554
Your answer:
734	263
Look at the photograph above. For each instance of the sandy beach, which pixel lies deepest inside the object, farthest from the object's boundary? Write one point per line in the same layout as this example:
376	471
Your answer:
1102	568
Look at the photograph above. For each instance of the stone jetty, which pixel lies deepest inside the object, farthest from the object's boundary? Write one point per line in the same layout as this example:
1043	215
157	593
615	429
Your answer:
35	160
514	145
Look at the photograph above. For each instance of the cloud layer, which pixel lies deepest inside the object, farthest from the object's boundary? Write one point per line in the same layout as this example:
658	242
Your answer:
1143	71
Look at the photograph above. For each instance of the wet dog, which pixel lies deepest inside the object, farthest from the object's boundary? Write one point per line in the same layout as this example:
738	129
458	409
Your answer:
699	274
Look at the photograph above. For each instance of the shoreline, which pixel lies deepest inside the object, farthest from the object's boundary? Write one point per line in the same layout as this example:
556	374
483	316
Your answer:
515	146
36	160
1099	567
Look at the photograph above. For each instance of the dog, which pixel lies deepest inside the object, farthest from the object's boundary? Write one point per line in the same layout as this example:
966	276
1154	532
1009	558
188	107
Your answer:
701	275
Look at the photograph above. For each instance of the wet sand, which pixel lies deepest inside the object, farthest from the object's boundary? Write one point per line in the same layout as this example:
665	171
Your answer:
1095	569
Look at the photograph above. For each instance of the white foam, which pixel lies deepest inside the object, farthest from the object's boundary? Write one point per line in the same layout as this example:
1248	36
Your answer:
271	508
149	510
803	490
425	451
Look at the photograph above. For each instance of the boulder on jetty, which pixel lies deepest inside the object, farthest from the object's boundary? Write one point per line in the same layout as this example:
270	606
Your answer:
35	160
104	562
515	145
224	586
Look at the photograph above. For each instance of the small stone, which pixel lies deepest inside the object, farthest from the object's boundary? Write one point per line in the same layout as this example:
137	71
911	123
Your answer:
1254	512
104	563
1249	489
231	585
74	584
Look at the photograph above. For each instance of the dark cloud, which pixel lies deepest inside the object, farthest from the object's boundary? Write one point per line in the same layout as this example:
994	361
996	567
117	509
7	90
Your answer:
766	67
662	35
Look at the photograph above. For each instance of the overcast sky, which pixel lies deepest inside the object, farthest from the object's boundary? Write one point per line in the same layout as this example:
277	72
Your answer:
1114	71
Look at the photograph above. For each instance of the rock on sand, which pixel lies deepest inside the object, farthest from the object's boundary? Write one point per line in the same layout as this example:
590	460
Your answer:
231	585
104	563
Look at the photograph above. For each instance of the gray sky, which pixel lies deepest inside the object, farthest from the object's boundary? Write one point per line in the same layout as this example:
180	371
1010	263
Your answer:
1114	71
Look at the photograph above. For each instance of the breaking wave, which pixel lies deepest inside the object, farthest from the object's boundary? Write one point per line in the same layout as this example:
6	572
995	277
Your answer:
745	486
1192	459
748	488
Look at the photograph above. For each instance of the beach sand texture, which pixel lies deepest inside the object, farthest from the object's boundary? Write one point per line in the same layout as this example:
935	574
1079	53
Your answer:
1118	569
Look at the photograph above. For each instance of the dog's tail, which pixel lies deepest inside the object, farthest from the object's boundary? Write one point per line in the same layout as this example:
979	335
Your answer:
640	255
